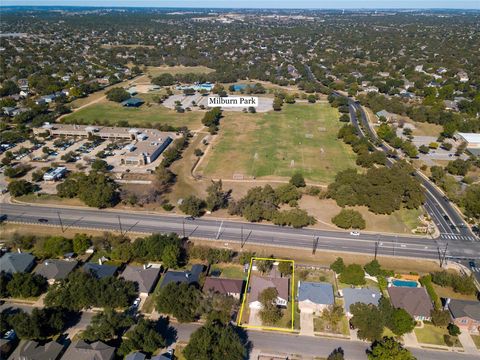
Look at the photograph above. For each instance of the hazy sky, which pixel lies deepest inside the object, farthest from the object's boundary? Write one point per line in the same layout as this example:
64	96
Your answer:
459	4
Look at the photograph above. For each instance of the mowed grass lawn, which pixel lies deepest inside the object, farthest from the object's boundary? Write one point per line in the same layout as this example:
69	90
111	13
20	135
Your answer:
110	113
157	70
302	137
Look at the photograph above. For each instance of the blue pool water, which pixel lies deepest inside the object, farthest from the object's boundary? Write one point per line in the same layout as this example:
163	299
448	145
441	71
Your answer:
404	283
238	87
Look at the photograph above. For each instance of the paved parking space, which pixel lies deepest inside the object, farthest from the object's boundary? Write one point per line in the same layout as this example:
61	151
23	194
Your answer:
306	324
254	318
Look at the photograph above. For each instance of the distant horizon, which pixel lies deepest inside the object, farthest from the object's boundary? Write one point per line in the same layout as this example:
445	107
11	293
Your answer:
253	4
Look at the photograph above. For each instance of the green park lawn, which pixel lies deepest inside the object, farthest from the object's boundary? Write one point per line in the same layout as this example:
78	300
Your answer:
110	113
301	137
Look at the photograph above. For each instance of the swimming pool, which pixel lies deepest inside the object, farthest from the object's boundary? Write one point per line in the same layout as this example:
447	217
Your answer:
239	87
404	283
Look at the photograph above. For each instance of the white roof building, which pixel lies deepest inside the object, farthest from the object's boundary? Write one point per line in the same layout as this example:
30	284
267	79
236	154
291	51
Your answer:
472	139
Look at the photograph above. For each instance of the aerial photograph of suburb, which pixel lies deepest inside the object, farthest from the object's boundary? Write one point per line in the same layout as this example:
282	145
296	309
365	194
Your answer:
239	180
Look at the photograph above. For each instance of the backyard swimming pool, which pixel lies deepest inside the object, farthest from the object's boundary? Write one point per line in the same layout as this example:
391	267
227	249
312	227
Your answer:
405	283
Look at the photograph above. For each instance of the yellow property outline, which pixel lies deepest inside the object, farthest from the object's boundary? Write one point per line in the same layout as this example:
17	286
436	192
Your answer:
292	300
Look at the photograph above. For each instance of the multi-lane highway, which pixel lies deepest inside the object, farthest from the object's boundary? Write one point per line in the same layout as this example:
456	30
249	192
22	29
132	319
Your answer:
228	232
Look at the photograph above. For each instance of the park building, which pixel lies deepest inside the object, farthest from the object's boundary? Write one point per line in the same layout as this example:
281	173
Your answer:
145	146
55	174
471	139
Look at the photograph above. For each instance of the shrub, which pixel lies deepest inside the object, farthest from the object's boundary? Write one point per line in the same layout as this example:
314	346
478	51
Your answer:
348	219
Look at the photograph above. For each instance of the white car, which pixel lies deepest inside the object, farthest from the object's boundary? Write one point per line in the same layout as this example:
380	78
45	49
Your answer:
354	233
136	302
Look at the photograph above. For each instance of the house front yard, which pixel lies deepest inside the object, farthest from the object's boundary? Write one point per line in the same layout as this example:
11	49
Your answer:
433	335
321	325
476	340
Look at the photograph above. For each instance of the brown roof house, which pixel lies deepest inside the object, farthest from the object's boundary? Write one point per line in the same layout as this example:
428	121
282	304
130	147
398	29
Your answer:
82	350
231	287
145	277
415	301
32	350
258	284
465	314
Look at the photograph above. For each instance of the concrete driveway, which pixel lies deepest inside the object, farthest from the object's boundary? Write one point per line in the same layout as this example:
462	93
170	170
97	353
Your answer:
254	318
468	344
306	324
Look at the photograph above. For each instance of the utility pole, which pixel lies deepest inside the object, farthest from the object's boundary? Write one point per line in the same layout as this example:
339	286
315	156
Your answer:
241	237
120	225
315	244
60	220
183	227
443	256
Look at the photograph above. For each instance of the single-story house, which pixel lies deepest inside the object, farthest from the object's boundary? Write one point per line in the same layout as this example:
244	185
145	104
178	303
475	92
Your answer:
99	271
14	262
145	277
136	356
231	287
81	350
259	284
54	270
32	350
314	297
465	314
189	277
415	301
363	295
387	115
133	102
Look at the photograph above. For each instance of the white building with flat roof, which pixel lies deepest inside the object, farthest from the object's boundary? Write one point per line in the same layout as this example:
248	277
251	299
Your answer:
55	173
472	139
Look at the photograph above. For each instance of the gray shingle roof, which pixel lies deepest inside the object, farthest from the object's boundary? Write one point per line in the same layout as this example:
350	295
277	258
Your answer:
136	356
223	286
189	277
317	293
465	308
414	300
56	269
99	271
258	284
81	350
32	350
363	295
145	278
14	262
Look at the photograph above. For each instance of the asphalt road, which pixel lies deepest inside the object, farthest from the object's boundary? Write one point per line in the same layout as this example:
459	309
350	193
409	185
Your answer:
233	231
317	346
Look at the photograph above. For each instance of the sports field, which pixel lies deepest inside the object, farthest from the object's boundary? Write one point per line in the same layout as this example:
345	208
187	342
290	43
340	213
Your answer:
301	137
157	70
110	113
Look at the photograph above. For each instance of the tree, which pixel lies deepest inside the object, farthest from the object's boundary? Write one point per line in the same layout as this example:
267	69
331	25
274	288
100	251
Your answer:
336	354
264	266
440	317
285	267
99	165
373	268
345	118
216	197
270	313
192	205
81	290
402	322
165	79
311	98
81	242
117	94
20	187
179	300
333	315
216	341
388	349
144	337
368	319
297	180
40	324
353	274
338	265
348	219
424	149
171	256
107	325
453	329
25	285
